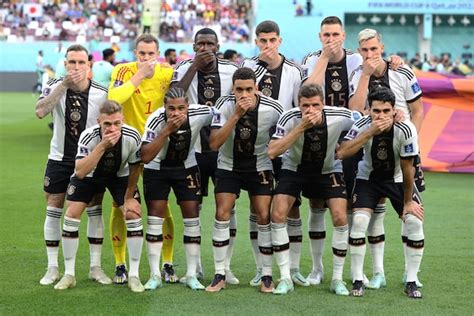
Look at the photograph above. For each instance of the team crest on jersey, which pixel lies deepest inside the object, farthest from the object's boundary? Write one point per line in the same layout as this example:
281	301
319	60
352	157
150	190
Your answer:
118	83
75	116
382	154
71	189
409	148
83	150
245	133
336	85
280	132
47	181
415	87
46	91
216	119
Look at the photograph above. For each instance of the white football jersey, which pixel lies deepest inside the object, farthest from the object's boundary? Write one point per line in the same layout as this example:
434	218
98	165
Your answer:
114	162
245	150
75	112
382	153
178	151
314	150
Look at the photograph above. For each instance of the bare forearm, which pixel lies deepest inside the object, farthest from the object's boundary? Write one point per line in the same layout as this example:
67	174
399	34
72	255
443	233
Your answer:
318	74
219	136
276	147
85	165
350	147
359	99
150	150
416	109
46	105
185	82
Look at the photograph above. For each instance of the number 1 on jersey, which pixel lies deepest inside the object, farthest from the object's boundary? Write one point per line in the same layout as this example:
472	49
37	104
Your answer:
148	106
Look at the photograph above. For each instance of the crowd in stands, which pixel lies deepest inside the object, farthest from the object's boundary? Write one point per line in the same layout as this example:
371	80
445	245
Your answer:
230	18
66	20
444	64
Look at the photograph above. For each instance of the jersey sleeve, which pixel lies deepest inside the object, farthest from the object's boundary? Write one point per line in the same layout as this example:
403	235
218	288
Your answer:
409	143
135	156
85	144
220	114
121	88
49	87
354	78
180	71
413	90
283	126
152	126
356	128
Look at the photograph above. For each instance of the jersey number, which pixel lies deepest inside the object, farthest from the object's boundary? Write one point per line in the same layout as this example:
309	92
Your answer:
341	102
148	107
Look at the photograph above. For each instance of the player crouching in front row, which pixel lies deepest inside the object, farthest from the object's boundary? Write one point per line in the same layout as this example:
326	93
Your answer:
108	156
386	171
168	154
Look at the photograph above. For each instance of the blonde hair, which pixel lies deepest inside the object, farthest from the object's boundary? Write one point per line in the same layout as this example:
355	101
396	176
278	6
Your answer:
110	107
367	34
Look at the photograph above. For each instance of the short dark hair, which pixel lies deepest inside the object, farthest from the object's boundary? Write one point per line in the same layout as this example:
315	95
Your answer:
244	73
331	20
206	31
267	27
382	94
77	48
311	90
175	93
110	107
229	53
147	38
106	53
169	51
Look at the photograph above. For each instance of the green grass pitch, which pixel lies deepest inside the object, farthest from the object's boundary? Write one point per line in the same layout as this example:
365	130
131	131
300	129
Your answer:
447	268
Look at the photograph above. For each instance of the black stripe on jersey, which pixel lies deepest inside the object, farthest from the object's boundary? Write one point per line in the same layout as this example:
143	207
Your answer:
405	129
132	133
184	62
272	103
223	100
156	121
337	113
317	53
198	113
260	70
288	116
415	98
53	81
404	71
292	64
363	121
98	86
87	139
226	62
359	68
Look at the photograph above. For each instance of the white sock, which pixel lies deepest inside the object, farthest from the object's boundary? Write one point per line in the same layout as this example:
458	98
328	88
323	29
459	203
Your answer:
95	234
281	249
199	264
340	236
134	244
154	243
253	228
404	242
360	222
265	248
233	234
220	243
192	244
295	235
70	243
317	236
415	245
376	238
52	234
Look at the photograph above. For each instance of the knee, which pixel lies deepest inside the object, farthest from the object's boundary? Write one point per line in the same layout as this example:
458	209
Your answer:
279	215
360	222
339	218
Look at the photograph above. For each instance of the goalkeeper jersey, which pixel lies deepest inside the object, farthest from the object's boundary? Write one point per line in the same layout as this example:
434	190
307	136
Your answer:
138	103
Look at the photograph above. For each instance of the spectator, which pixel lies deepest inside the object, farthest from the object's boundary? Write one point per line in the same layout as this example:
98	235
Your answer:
170	56
231	55
147	21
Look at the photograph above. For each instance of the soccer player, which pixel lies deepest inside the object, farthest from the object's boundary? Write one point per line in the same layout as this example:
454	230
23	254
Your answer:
376	72
307	137
205	79
73	101
140	87
280	79
386	171
108	156
102	70
241	131
170	162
